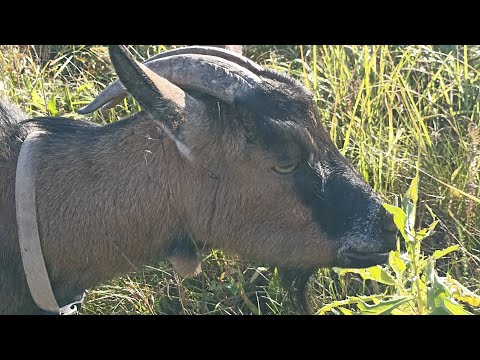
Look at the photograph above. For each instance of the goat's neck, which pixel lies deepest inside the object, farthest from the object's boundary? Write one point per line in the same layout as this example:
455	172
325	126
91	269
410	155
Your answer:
106	202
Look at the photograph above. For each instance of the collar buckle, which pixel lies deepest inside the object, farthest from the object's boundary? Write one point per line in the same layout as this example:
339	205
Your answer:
72	308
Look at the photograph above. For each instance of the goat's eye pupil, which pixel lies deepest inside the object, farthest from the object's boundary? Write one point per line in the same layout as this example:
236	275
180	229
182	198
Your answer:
285	169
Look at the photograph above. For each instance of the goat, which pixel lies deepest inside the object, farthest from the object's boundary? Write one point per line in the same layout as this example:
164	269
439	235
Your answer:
224	153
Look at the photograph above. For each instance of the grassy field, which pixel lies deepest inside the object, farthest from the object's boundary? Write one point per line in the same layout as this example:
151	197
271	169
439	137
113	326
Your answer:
393	111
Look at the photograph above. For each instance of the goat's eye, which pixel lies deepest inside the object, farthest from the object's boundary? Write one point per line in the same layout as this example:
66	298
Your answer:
287	169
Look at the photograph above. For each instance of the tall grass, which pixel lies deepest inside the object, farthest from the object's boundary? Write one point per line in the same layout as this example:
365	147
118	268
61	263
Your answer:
389	109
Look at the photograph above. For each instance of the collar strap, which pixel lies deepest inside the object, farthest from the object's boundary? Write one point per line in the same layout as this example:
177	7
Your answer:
29	239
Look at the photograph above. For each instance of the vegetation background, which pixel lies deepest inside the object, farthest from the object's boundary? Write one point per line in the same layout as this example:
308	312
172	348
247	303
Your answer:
393	111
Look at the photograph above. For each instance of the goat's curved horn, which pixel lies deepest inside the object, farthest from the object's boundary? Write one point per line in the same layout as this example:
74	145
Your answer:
212	75
212	51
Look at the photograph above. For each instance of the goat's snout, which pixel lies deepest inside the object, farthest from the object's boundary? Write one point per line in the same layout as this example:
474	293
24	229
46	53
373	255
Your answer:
389	229
370	251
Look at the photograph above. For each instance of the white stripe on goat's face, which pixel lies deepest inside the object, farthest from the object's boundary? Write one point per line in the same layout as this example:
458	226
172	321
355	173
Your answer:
182	148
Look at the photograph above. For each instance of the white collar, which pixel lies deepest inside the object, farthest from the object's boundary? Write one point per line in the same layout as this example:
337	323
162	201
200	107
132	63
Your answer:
29	239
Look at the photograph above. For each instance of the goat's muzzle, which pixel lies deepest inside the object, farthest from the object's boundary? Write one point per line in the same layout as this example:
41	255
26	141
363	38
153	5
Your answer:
358	258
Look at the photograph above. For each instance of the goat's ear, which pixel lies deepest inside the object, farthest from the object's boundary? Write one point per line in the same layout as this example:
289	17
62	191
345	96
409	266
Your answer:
156	95
163	100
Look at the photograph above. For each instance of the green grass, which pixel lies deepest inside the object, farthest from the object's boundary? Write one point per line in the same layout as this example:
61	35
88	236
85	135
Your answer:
389	109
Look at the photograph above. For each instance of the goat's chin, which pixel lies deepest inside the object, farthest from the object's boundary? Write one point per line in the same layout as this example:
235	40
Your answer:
186	266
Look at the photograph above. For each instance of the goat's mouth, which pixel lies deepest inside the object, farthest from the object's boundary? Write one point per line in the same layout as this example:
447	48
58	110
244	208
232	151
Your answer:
359	259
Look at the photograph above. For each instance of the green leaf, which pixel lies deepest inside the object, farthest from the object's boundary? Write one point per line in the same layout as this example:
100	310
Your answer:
437	254
435	296
372	273
398	215
440	292
471	300
421	264
383	307
435	289
38	101
409	204
399	218
410	211
453	308
455	173
460	292
412	192
345	311
349	301
421	234
396	263
52	106
439	311
402	312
